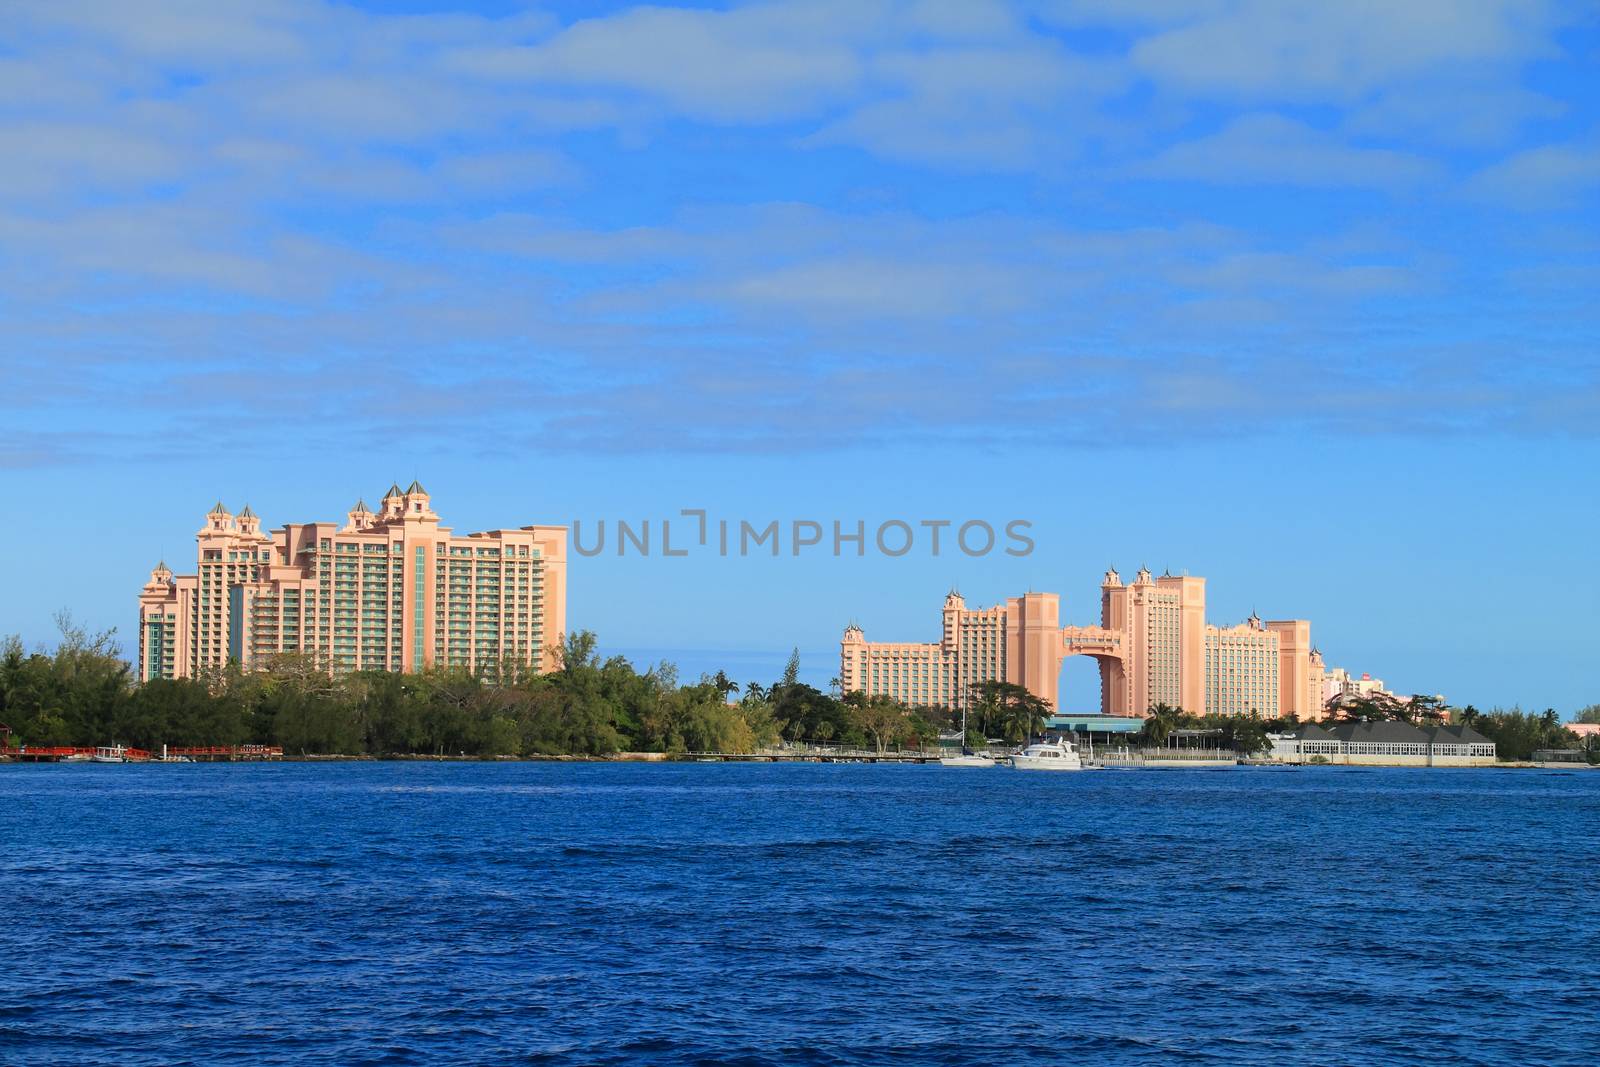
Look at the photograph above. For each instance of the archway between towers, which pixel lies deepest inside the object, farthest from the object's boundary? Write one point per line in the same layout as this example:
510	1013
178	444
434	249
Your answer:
1105	648
1039	644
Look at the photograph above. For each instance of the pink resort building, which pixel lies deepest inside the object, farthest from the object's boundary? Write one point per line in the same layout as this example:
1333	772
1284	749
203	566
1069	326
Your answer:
1153	646
386	591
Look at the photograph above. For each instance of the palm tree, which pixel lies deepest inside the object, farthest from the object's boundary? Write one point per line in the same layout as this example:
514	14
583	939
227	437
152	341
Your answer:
1025	715
1009	709
1162	720
985	706
724	685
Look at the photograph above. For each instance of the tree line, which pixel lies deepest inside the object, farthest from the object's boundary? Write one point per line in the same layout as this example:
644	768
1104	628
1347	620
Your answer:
1517	734
82	693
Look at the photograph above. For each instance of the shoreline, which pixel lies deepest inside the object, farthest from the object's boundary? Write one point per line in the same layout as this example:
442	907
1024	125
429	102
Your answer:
905	759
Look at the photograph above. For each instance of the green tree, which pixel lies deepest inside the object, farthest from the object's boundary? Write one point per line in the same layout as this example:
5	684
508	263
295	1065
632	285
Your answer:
1008	710
1423	709
1374	707
881	718
1518	734
724	685
1160	723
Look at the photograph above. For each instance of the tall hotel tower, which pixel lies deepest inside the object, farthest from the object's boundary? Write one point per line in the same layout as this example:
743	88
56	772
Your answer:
1153	646
391	591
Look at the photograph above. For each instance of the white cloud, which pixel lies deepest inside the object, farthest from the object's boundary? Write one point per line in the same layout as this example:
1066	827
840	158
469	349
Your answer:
1003	106
298	191
198	34
1274	273
50	158
506	170
1555	175
764	62
1266	149
1451	113
387	106
883	288
1315	50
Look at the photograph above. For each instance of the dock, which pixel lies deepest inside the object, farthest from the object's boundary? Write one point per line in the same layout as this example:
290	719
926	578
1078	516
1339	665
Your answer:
123	754
812	756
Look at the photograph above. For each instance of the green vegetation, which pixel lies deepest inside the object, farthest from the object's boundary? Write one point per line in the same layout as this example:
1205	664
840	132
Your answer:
1005	710
1419	710
82	693
1244	734
1517	734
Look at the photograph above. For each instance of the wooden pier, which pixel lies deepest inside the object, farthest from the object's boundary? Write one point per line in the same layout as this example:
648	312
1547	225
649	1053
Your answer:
170	754
812	756
225	753
70	753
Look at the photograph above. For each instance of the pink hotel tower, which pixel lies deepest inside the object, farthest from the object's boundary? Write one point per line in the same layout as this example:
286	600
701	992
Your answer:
391	591
1153	646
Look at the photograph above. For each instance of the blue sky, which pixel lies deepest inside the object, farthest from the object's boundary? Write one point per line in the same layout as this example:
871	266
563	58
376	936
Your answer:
1296	296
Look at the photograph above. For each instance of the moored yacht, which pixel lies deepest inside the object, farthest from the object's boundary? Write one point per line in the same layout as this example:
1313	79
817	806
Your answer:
968	758
1048	756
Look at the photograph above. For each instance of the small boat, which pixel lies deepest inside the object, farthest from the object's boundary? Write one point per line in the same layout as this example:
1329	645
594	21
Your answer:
1048	756
968	758
110	754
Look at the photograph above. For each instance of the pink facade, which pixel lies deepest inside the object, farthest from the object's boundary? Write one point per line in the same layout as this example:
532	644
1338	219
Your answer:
1340	684
392	590
1263	668
1153	646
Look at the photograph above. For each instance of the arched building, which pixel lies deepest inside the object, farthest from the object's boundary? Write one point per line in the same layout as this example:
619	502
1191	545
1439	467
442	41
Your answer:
1153	646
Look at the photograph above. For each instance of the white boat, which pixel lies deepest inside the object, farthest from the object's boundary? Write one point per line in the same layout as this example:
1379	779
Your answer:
110	754
1048	756
968	758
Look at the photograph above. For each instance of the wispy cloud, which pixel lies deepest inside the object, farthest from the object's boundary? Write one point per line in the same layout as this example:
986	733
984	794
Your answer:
809	225
1553	175
1272	149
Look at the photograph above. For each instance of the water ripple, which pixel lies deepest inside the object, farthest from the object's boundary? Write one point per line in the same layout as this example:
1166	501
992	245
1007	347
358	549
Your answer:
442	913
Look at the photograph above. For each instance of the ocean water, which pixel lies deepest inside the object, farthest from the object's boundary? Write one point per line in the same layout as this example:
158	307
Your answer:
423	913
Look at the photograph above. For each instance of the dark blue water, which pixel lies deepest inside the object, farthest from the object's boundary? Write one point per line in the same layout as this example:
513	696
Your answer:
759	914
